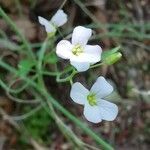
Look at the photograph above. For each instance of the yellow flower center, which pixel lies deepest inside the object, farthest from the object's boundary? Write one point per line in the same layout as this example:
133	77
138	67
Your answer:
92	99
77	50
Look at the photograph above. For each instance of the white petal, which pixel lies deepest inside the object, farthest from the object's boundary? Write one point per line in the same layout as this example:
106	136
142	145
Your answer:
79	93
91	54
43	21
94	51
108	110
63	49
59	18
48	26
92	113
81	35
101	88
80	66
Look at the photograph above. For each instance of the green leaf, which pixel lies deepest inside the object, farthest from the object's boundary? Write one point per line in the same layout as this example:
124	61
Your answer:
51	58
25	66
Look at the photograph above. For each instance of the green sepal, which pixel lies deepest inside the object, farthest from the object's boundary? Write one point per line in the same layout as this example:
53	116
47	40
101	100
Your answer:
111	56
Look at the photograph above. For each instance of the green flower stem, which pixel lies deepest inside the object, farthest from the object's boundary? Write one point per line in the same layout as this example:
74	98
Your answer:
67	69
10	90
74	72
15	28
50	73
71	82
95	66
46	72
41	55
56	104
69	78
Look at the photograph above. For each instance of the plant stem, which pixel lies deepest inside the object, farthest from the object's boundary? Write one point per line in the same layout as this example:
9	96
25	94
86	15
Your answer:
97	65
58	106
69	78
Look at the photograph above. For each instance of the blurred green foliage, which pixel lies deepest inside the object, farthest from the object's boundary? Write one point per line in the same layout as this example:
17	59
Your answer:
39	126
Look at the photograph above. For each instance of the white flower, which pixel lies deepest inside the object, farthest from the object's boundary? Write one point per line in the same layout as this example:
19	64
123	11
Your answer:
96	108
78	52
59	19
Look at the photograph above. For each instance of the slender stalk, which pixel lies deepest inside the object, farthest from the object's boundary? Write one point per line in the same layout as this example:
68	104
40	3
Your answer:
63	3
97	65
69	78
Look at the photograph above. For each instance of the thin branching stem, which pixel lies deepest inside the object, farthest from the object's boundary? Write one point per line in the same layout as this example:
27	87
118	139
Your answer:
59	107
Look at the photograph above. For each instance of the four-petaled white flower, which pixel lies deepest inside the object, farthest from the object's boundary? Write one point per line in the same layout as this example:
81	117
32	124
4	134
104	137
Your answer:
59	19
78	52
96	108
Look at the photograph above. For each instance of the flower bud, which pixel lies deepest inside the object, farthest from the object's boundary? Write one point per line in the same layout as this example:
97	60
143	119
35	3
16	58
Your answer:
113	58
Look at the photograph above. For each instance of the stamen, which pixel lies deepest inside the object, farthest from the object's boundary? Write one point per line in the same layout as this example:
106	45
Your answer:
92	99
77	50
